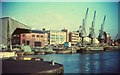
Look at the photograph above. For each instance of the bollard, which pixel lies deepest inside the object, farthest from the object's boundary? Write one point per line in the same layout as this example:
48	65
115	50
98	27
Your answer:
52	62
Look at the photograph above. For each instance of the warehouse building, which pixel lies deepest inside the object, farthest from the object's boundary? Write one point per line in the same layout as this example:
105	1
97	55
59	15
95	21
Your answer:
36	38
10	27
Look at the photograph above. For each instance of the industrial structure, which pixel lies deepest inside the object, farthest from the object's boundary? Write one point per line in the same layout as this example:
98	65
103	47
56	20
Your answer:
92	32
102	34
82	29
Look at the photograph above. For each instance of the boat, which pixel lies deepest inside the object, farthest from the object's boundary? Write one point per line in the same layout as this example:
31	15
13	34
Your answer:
95	48
40	53
63	51
73	51
29	53
57	48
48	50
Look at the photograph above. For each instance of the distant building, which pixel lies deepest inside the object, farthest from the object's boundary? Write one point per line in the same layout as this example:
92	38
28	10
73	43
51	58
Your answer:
36	38
108	39
67	34
74	37
56	37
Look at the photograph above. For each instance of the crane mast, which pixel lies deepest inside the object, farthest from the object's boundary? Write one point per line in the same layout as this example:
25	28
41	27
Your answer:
82	29
92	33
102	25
84	23
101	36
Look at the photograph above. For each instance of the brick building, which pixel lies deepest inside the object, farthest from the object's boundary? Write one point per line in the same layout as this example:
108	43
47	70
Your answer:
36	38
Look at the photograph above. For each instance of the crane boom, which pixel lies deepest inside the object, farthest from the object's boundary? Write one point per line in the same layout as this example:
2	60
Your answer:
94	19
102	36
102	25
85	19
82	29
86	13
92	33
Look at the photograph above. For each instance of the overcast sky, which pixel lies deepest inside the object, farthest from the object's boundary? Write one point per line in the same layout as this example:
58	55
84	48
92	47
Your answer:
59	15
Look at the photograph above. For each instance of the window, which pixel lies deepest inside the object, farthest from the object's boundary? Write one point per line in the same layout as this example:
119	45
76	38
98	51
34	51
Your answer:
33	35
18	35
14	35
23	41
41	35
28	42
23	35
37	35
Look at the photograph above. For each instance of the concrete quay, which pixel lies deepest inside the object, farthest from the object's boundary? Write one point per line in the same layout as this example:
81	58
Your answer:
32	67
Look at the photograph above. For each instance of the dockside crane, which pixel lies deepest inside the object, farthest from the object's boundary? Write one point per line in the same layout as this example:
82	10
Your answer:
82	29
92	32
101	37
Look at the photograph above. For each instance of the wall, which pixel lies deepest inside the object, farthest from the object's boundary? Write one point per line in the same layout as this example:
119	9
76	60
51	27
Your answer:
57	37
74	37
33	38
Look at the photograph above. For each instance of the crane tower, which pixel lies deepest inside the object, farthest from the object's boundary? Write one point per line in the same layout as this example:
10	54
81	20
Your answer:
101	36
92	33
82	29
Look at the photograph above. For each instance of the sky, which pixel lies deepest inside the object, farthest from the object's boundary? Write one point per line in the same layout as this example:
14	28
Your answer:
59	15
60	0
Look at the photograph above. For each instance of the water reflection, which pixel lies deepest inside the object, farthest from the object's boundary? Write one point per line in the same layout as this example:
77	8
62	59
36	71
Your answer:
86	63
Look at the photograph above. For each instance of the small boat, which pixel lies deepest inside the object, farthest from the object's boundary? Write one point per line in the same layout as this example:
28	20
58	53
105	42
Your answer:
95	48
40	53
48	50
29	53
73	51
63	51
58	48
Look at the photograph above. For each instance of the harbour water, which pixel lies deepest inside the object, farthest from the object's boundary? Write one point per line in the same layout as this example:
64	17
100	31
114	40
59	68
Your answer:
98	62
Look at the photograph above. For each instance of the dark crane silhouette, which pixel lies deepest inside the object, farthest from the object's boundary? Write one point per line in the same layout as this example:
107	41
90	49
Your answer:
92	33
102	34
82	29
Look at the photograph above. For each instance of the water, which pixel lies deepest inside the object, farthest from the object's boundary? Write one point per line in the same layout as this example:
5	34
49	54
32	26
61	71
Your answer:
100	62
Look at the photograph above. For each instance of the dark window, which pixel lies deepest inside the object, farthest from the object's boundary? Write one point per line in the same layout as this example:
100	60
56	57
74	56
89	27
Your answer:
38	44
37	35
23	41
41	35
28	42
23	35
33	35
